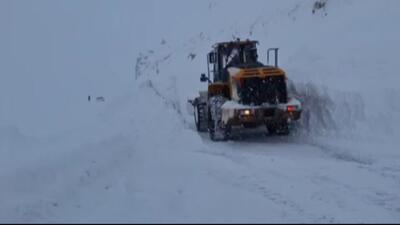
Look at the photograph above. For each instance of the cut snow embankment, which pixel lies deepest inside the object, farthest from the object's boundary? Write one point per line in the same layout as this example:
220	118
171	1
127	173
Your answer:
140	159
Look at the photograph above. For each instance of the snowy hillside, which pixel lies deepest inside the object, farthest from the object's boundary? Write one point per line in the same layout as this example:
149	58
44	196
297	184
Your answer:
136	157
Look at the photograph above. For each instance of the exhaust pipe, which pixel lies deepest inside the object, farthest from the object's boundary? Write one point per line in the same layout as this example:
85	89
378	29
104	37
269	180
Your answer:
276	55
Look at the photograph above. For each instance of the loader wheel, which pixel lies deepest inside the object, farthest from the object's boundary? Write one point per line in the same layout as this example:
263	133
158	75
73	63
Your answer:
217	130
200	117
278	128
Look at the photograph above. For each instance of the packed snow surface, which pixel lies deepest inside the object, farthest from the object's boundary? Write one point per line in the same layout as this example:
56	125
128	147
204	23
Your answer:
137	157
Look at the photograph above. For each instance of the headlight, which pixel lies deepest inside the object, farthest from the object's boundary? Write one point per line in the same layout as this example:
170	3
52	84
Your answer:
245	112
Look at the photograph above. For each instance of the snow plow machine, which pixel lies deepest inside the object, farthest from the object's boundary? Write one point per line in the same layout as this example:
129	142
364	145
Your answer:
243	93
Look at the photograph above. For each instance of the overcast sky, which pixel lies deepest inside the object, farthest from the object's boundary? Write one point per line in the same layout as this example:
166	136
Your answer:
54	53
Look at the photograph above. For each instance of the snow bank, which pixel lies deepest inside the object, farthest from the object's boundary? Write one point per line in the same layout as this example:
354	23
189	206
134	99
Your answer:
138	157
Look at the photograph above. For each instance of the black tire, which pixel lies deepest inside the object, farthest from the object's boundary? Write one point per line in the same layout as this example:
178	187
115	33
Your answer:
217	130
278	128
200	117
223	132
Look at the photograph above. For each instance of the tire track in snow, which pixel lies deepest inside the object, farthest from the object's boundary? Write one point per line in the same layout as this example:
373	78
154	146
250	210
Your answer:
247	180
252	183
340	153
376	196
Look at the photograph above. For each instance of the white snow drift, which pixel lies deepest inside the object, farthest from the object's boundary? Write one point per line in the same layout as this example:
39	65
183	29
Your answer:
137	158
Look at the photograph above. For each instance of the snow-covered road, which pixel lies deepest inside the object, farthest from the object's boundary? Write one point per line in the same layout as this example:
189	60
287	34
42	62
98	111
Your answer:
137	157
182	176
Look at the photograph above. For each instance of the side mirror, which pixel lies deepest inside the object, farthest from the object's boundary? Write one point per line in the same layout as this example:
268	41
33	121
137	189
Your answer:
203	78
212	58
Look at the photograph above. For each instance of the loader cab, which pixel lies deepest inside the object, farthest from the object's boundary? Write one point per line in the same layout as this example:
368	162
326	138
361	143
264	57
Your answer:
242	54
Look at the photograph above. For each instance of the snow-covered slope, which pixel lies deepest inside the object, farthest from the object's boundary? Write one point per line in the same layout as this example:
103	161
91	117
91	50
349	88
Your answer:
137	157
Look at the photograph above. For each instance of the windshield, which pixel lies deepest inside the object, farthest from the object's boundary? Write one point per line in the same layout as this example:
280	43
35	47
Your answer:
240	55
233	57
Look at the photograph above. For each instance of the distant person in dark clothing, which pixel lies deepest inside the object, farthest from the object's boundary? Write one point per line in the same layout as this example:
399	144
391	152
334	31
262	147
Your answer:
88	98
